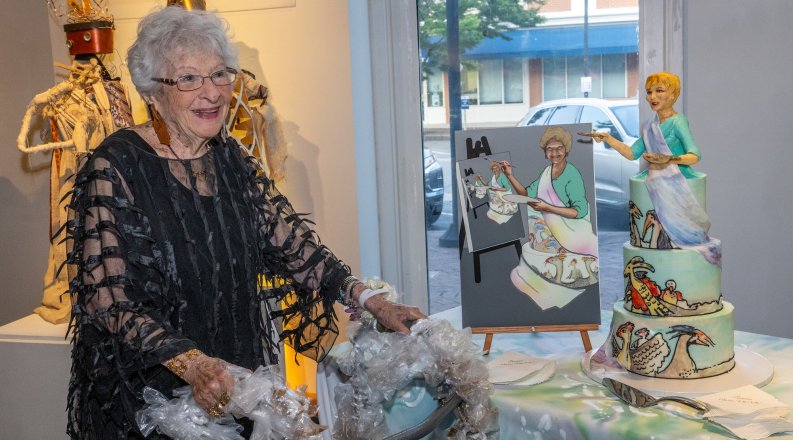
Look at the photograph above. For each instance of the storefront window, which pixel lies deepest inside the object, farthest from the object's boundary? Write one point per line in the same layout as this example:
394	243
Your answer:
575	70
513	81
554	78
490	81
562	77
614	76
469	84
435	90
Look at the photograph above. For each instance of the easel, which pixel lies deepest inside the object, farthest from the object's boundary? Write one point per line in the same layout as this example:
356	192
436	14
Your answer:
477	254
581	328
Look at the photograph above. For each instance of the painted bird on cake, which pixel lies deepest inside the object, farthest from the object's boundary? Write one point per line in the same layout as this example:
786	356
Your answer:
642	292
658	238
635	214
648	356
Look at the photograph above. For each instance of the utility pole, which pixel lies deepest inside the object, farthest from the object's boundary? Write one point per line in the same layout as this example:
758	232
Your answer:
586	51
451	237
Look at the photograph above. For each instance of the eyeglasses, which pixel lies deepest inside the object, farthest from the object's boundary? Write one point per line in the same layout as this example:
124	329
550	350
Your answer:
555	149
190	82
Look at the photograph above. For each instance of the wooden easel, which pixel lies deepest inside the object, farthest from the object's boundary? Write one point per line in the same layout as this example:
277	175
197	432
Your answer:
581	328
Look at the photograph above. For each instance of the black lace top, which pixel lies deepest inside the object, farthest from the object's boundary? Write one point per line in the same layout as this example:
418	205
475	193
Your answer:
170	255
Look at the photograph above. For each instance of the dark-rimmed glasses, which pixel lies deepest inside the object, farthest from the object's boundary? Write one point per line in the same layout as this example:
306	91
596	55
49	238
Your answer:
190	82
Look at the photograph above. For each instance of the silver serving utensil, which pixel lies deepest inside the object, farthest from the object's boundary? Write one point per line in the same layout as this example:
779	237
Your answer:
640	399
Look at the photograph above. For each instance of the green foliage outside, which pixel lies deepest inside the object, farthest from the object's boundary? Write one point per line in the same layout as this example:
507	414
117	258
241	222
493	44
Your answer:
478	19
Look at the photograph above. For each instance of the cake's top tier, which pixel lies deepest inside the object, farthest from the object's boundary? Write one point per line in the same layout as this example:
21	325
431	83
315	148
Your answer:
645	229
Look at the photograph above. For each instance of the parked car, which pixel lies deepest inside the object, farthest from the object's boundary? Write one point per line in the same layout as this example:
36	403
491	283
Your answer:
433	188
620	118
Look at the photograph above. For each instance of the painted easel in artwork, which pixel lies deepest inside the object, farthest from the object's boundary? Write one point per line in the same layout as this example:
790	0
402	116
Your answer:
581	328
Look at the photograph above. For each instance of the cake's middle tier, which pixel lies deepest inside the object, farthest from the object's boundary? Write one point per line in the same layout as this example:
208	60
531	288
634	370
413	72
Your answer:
670	282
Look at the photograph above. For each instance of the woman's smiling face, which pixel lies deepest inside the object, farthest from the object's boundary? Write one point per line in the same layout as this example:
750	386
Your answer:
555	151
660	97
198	115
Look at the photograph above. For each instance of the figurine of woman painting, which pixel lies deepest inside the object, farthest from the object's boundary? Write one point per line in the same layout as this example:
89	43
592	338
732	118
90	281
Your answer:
666	140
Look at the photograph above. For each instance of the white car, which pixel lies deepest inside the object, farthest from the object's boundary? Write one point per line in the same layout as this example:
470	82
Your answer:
620	118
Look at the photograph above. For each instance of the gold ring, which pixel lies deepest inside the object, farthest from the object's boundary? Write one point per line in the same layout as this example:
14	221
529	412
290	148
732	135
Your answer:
217	409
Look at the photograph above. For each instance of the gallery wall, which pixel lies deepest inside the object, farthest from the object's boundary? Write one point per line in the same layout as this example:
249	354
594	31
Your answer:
739	102
300	49
24	180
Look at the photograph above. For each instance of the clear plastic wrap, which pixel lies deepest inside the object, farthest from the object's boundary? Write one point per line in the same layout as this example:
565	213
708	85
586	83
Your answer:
277	411
381	363
182	418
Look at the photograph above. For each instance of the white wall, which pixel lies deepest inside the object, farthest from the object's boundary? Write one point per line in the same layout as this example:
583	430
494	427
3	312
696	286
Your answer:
24	181
302	53
739	101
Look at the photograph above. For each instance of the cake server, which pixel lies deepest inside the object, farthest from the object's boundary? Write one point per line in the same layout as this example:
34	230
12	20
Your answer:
638	398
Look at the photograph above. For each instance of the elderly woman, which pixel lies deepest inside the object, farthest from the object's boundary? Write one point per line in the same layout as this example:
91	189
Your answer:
173	229
560	194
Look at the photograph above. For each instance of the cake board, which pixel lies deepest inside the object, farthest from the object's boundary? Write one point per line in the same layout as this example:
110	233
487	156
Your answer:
750	369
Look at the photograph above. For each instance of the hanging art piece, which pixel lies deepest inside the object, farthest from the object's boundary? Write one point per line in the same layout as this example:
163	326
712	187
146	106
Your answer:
91	103
87	106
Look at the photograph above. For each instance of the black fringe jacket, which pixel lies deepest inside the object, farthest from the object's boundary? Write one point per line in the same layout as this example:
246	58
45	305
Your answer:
170	255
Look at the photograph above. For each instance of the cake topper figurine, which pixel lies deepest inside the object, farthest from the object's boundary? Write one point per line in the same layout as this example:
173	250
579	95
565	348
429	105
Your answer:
666	140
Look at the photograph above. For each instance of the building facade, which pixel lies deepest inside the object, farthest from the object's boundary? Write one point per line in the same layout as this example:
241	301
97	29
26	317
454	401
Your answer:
502	79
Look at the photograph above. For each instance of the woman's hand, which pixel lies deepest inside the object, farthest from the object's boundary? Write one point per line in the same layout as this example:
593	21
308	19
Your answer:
506	167
611	141
539	205
393	315
598	136
657	158
211	383
543	206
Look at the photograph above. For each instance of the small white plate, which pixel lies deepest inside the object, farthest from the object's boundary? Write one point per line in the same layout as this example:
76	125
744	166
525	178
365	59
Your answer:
515	198
750	369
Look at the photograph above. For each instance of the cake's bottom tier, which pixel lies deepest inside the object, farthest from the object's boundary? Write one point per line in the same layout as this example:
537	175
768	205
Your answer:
680	347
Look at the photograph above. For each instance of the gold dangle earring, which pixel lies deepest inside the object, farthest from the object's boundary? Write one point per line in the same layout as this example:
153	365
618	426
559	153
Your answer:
159	126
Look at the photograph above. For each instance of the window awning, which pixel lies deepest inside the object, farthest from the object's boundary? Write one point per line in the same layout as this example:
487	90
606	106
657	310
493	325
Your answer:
542	42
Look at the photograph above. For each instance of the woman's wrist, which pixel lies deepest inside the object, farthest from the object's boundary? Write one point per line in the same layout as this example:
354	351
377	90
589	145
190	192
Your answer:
181	363
350	285
367	294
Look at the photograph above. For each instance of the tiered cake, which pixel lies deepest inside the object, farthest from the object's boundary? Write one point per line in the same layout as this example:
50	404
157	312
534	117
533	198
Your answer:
673	322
